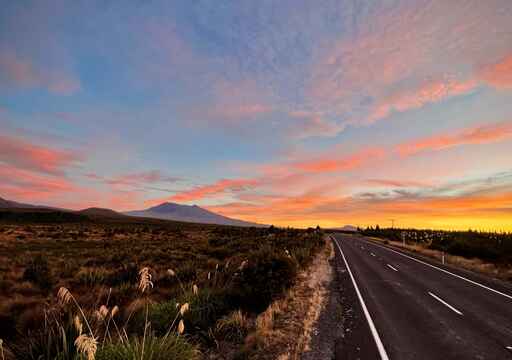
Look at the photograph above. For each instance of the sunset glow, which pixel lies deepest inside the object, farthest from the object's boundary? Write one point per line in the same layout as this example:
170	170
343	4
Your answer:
292	113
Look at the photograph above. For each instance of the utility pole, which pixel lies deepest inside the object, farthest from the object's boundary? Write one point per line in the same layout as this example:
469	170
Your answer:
392	223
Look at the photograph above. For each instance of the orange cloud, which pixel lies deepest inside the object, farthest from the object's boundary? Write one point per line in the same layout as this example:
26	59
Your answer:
484	210
25	155
218	188
478	135
499	75
331	163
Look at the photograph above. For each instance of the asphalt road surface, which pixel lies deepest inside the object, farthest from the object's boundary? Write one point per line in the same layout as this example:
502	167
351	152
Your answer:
407	307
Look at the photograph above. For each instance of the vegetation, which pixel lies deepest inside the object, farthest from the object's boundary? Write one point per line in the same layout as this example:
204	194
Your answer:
204	286
489	246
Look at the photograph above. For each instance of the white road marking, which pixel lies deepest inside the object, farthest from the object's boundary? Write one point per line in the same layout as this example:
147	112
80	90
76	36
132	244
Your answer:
444	303
372	254
448	272
380	347
392	268
509	347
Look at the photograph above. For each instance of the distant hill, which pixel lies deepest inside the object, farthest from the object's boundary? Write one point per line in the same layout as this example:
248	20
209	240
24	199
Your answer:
188	213
346	228
7	204
94	211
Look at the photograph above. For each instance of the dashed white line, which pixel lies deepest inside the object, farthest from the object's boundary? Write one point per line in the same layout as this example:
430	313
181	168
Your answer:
372	254
448	272
444	303
391	267
380	347
509	348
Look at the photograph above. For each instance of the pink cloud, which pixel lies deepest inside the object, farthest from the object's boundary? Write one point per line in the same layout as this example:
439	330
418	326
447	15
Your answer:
25	155
398	47
23	73
135	179
482	134
396	183
430	92
220	187
27	186
330	163
309	124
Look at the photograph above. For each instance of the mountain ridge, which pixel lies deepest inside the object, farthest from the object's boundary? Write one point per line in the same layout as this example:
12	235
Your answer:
164	211
188	213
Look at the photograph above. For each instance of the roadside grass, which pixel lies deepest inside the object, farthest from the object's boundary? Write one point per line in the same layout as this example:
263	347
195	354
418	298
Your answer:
501	271
284	330
227	276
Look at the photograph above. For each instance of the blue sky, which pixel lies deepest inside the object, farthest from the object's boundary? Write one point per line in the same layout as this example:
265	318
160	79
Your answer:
289	112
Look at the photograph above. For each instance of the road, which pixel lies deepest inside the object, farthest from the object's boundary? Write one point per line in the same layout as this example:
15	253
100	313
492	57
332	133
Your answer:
406	307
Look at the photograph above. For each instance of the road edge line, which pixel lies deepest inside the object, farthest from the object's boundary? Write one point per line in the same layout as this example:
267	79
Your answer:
380	347
445	271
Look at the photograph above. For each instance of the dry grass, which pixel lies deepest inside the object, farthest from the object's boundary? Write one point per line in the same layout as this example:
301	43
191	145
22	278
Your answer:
285	328
474	264
118	271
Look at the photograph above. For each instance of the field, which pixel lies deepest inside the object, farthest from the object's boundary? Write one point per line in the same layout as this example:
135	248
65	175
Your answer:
140	289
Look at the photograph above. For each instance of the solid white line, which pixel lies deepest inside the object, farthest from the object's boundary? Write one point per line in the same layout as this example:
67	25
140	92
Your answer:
380	347
392	268
509	347
447	272
444	303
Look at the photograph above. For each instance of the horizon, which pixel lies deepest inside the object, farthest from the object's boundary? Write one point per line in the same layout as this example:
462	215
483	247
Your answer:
293	113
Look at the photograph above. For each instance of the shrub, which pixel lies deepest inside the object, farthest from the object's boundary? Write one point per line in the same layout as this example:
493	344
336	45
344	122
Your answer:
53	341
161	316
38	272
205	308
91	276
152	348
266	276
233	328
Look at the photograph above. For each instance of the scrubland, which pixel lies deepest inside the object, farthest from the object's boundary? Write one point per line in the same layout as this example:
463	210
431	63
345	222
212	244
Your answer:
98	289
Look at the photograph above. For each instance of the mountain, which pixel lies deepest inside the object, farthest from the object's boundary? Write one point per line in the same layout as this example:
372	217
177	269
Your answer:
188	213
7	204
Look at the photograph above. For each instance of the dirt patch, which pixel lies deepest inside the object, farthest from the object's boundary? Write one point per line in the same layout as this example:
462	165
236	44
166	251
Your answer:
284	331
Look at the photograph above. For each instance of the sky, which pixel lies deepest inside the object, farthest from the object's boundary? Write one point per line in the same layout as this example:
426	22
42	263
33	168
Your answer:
290	112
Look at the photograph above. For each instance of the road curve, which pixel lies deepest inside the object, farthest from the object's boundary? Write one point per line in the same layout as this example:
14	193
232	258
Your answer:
410	308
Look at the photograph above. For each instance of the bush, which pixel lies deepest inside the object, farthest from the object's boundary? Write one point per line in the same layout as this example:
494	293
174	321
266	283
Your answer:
266	276
161	316
38	272
92	276
205	308
55	340
155	348
233	328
